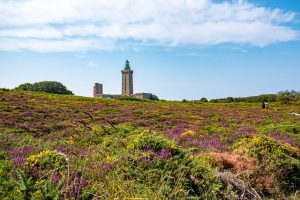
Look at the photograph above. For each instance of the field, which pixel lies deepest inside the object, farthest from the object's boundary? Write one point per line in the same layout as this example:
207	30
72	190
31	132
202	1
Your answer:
56	146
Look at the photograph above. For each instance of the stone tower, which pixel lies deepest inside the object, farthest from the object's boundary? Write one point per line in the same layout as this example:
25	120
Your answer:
127	83
98	90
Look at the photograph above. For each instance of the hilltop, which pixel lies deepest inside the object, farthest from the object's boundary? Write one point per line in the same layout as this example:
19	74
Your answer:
61	146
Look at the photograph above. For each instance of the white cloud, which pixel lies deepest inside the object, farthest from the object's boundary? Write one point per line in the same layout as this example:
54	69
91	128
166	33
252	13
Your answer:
8	44
92	65
82	25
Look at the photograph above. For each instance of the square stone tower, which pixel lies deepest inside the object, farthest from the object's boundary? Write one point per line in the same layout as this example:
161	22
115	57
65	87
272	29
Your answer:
127	82
98	90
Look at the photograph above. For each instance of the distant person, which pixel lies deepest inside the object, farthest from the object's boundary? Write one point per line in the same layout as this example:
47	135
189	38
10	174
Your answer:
267	105
263	105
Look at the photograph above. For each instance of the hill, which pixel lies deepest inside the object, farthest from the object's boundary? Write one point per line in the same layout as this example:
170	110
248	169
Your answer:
61	146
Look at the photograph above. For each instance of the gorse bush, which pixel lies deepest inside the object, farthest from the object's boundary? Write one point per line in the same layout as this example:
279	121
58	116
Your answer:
151	166
46	175
275	160
52	87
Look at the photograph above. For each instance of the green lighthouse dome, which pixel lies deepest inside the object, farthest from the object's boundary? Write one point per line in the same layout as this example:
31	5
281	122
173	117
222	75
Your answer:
127	66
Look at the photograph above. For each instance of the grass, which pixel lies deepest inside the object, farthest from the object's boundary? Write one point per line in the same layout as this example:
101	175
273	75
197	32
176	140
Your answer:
71	147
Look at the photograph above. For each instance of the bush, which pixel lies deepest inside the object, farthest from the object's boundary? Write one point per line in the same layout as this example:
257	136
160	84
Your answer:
129	98
4	89
203	99
154	97
151	166
279	163
25	86
46	175
52	87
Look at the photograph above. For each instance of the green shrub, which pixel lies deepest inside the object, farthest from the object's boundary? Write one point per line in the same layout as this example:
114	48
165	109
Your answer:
203	99
25	86
154	97
52	87
204	181
4	89
8	189
279	162
127	98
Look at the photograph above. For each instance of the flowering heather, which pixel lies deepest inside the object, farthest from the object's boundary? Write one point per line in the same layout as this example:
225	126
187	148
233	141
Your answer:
257	118
148	159
210	142
175	132
75	185
148	147
23	127
9	120
106	167
176	123
3	144
61	148
244	131
66	147
20	151
56	177
19	160
164	154
27	113
284	139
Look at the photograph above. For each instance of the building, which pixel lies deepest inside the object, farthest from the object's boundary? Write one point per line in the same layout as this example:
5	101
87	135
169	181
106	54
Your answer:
127	87
127	82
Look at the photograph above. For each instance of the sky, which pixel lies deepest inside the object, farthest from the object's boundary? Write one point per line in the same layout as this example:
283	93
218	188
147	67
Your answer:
178	49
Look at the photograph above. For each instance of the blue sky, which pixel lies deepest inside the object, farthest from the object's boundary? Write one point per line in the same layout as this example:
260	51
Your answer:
178	49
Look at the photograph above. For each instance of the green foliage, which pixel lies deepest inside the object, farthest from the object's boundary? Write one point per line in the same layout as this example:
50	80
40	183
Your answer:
154	97
274	160
148	165
25	86
7	185
203	99
286	97
157	143
127	98
204	179
259	98
147	149
52	87
4	89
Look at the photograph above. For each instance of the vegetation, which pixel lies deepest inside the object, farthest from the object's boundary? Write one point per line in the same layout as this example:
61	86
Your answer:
284	97
203	99
52	87
69	147
154	97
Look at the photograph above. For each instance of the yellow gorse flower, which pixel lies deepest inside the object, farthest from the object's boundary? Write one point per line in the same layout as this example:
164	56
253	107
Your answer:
188	132
70	140
34	159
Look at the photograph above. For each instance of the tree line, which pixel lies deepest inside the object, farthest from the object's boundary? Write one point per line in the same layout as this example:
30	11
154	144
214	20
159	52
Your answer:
281	97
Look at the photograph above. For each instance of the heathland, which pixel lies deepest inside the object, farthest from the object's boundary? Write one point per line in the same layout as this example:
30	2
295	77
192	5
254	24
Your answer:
70	147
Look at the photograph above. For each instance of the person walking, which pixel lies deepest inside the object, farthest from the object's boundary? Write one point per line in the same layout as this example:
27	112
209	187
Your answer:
263	105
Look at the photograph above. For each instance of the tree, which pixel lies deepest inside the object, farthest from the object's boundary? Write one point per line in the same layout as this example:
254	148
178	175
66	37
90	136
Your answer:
229	100
52	87
203	99
25	86
287	96
154	97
